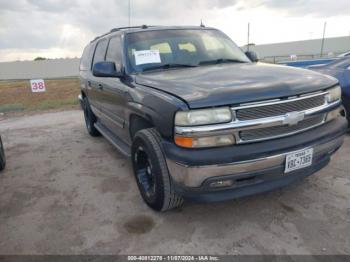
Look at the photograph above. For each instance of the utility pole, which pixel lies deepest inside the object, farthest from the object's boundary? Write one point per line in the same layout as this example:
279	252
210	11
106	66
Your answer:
129	12
248	36
324	33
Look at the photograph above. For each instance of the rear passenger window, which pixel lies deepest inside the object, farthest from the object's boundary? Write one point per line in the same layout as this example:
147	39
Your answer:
114	52
85	61
100	51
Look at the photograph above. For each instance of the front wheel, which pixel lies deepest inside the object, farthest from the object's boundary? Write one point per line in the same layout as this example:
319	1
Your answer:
151	172
2	156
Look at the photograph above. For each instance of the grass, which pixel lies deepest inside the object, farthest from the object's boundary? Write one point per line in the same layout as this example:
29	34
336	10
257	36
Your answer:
16	96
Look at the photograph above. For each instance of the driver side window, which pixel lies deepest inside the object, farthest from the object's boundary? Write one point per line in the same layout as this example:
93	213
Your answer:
114	52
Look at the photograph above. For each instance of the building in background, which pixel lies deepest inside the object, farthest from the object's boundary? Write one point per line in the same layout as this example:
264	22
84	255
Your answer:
300	50
45	69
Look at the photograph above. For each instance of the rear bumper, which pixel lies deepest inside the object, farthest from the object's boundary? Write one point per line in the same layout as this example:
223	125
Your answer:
250	168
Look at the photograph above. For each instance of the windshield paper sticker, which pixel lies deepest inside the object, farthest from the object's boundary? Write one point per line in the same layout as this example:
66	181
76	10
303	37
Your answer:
147	57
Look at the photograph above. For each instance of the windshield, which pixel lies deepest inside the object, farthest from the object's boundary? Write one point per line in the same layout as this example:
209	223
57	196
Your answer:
166	49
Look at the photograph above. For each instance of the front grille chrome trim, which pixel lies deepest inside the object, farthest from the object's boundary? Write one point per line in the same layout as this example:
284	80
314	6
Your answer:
273	102
253	116
236	126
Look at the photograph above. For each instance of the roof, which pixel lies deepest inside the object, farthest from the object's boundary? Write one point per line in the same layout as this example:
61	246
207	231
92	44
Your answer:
143	28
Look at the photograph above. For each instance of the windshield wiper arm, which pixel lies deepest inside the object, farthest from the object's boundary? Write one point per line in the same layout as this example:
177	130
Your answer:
220	61
166	66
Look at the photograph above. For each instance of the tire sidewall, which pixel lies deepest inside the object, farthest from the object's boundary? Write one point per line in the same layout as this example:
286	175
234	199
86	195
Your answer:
87	115
158	199
2	156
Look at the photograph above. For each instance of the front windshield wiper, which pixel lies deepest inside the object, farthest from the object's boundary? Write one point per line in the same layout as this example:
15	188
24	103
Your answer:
220	61
167	66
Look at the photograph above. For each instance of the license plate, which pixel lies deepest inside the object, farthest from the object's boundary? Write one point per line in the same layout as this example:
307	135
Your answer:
299	159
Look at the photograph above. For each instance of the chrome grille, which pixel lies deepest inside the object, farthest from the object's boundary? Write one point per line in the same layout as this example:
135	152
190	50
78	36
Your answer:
280	108
279	131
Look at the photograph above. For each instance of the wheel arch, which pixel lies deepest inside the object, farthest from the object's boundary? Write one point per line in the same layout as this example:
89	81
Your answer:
137	123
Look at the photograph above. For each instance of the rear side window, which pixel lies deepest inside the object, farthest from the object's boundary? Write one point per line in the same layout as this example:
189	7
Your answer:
100	52
114	52
85	61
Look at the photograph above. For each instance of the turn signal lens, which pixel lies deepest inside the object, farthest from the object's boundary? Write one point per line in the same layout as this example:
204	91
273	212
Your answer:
184	141
335	113
209	141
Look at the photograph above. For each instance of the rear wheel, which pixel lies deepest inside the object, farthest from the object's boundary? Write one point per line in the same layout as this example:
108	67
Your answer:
90	118
151	172
2	156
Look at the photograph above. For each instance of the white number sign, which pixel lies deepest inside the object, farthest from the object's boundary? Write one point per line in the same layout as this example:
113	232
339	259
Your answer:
38	85
147	57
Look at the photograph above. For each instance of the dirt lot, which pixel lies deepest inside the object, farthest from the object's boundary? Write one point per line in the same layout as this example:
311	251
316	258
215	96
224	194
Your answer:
16	96
64	192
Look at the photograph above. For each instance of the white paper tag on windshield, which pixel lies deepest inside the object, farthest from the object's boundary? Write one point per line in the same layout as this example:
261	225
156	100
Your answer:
147	57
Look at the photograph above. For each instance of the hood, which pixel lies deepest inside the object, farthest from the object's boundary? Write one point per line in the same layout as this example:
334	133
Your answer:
228	84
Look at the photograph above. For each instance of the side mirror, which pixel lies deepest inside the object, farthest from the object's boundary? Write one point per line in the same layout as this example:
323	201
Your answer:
252	56
105	69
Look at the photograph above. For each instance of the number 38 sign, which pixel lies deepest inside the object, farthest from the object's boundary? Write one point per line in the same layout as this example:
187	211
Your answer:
38	85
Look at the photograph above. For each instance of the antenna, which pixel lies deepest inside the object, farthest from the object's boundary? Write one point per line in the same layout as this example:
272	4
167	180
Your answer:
129	13
202	25
324	33
248	36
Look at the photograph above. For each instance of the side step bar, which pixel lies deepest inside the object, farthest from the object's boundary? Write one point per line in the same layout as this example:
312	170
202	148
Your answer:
115	141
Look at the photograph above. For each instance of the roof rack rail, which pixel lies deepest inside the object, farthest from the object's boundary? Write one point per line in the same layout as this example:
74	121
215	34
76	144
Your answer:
129	27
121	28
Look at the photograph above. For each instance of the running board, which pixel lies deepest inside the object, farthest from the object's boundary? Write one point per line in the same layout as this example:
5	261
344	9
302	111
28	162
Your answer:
115	141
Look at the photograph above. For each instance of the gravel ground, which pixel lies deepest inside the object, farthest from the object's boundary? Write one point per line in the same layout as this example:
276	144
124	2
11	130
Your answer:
64	192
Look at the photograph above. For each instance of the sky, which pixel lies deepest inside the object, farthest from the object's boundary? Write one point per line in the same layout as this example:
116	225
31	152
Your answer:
61	28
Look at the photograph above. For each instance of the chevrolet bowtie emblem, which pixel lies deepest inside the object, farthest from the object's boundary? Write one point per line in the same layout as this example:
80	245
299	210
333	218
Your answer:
293	118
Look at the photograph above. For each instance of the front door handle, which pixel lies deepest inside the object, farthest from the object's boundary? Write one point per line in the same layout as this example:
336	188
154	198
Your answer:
100	86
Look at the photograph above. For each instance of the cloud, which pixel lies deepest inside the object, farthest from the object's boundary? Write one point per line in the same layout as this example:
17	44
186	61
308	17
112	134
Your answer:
306	7
32	26
53	6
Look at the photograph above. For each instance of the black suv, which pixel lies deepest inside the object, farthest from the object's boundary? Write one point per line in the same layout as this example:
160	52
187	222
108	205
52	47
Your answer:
201	119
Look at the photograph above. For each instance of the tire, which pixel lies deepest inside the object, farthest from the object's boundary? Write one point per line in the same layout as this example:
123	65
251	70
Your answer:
90	118
2	156
151	172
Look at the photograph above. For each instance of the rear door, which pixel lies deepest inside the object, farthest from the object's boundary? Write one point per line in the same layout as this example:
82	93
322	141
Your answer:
95	84
85	70
113	100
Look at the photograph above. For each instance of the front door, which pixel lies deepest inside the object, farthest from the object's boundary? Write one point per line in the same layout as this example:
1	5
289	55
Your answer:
114	92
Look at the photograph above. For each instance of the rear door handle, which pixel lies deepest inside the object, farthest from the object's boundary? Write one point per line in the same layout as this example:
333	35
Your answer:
100	86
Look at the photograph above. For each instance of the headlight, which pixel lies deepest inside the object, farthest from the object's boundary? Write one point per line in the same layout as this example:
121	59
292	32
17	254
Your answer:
334	94
209	141
203	117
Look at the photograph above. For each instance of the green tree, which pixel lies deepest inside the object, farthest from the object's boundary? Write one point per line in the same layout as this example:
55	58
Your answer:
39	58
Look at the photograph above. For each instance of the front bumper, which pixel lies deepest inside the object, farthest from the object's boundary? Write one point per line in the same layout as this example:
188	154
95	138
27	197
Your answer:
252	168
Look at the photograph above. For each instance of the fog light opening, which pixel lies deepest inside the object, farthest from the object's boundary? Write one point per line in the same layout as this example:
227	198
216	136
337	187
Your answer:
221	183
